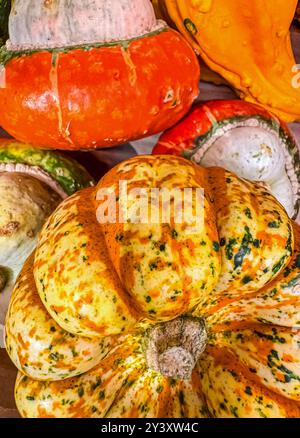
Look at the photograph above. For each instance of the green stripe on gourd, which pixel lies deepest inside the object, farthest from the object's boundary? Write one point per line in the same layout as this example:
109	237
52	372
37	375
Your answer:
7	55
32	183
68	175
288	145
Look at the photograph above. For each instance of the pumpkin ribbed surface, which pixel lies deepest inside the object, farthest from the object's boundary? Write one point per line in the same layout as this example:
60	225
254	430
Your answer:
203	325
42	348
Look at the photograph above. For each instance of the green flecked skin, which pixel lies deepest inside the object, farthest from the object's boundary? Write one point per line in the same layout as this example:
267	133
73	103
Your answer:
69	174
5	6
7	55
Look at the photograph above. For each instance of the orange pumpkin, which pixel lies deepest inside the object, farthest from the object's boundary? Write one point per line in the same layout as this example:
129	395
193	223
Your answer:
180	323
113	74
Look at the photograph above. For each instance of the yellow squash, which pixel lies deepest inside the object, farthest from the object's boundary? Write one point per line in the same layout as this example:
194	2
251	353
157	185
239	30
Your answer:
248	43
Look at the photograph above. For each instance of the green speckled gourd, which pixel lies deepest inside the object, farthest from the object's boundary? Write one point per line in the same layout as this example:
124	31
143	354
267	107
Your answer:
176	322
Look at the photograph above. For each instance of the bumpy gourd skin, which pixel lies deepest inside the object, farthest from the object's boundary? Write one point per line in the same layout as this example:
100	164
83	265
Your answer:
250	366
248	43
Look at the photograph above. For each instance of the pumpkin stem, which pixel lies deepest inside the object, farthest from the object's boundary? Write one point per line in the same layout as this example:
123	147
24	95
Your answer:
174	347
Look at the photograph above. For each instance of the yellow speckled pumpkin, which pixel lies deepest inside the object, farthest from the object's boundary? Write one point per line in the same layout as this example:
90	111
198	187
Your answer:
159	321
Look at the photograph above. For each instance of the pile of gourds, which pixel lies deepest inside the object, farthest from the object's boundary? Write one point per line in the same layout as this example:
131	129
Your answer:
143	318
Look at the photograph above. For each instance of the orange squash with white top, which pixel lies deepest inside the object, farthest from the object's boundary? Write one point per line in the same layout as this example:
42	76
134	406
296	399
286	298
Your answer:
87	75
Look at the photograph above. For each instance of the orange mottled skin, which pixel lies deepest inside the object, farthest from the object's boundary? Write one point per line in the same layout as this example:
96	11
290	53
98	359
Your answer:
89	275
39	346
94	97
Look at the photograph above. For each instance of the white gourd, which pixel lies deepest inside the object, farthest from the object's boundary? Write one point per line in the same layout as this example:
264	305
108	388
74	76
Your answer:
61	23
